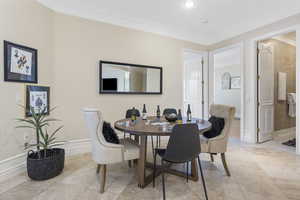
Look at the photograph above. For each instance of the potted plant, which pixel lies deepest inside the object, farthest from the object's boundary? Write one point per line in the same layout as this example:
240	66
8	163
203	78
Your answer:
45	161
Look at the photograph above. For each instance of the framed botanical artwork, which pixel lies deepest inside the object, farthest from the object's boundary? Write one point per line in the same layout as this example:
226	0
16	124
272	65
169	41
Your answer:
235	82
20	63
38	98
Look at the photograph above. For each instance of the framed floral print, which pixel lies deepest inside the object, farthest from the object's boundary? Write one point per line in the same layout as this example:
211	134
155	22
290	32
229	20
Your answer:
20	63
38	98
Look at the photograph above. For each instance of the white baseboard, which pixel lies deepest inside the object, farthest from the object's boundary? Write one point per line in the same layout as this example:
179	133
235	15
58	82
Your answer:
12	166
17	164
75	147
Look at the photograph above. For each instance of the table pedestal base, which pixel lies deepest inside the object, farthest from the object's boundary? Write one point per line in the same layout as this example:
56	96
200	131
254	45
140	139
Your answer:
193	176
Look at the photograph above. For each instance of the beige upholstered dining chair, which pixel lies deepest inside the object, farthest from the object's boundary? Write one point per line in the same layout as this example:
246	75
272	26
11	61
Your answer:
104	153
218	145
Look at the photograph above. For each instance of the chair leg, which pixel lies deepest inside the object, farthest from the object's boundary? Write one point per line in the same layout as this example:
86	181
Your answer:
153	150
225	164
163	180
102	178
212	157
98	168
202	177
158	138
154	169
129	163
187	172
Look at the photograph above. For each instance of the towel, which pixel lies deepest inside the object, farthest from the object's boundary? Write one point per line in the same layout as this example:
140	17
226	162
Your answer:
282	86
292	104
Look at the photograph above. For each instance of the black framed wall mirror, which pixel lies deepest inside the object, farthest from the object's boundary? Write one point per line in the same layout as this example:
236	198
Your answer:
124	78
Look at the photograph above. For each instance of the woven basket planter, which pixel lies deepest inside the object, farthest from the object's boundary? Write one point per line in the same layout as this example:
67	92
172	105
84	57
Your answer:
48	166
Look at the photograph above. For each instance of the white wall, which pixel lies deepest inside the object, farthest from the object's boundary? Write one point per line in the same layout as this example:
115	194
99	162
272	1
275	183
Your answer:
248	41
231	97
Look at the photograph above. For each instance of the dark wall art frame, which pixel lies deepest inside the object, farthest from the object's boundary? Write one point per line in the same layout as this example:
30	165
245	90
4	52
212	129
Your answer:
101	91
35	88
23	76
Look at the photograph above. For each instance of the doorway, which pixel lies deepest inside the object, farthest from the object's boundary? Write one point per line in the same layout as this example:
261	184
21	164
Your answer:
227	83
193	83
276	89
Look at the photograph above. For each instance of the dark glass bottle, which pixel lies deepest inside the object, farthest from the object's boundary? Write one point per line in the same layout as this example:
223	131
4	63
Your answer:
144	112
133	114
158	112
189	113
179	117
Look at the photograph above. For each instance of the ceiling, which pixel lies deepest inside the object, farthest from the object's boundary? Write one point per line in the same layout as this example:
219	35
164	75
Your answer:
226	18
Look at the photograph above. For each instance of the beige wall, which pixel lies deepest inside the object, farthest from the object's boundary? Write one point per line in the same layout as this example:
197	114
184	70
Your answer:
284	61
24	22
69	51
80	44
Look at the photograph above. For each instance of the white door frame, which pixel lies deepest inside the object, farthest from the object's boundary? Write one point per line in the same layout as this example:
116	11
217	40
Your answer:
253	51
211	80
205	76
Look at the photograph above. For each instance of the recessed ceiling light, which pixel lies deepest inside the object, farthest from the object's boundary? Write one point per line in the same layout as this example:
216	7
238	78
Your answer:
204	21
189	4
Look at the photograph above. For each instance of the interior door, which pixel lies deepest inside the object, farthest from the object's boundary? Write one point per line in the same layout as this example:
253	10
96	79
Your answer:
265	92
193	85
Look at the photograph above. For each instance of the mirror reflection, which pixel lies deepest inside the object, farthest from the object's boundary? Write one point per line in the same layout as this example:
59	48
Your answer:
127	78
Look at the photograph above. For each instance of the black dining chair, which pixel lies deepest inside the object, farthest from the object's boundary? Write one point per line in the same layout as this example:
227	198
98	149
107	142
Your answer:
168	111
130	111
183	147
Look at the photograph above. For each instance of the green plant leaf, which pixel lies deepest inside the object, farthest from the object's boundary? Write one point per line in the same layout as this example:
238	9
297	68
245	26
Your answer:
42	113
42	143
25	127
44	124
51	140
52	109
40	121
42	134
27	121
56	131
31	145
50	120
55	145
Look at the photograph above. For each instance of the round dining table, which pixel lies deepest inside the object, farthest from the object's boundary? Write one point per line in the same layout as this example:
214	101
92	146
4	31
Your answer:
154	126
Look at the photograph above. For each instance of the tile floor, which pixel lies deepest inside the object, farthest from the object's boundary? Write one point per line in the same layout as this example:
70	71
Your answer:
259	172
